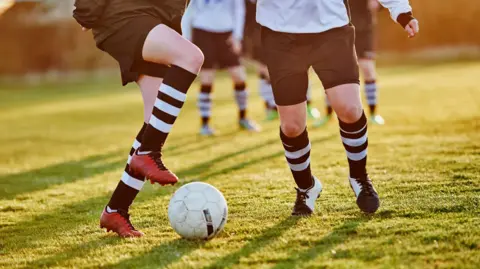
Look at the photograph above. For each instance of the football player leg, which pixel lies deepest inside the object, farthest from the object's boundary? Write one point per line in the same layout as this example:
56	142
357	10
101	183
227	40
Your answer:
239	76
205	100
163	45
266	92
345	100
367	67
115	216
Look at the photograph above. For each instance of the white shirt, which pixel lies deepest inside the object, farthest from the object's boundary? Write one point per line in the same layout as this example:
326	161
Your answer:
313	16
218	16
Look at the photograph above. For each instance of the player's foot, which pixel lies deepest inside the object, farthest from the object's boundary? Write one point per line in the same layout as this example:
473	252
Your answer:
305	203
377	119
323	121
367	196
206	130
272	115
150	165
118	221
249	125
313	112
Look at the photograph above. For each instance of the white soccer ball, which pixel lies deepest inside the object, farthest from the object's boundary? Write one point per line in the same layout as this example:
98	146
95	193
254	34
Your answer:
197	211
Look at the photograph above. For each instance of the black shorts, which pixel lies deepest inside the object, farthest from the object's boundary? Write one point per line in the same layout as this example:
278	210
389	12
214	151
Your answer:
257	52
215	48
126	47
365	43
289	56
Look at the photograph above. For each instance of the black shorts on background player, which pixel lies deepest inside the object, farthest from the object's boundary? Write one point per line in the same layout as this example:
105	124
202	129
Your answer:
289	56
362	19
216	49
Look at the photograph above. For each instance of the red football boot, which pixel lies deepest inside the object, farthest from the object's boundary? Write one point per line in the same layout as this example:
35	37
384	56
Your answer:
150	165
119	222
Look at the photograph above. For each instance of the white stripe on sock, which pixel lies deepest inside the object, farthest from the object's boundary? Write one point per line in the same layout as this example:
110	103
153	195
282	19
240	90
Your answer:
129	159
204	105
132	182
299	153
355	142
136	144
356	132
203	96
167	108
160	125
172	92
357	156
300	166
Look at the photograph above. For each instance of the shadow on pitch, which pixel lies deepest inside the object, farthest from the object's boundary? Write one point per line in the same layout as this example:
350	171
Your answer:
339	235
255	245
12	185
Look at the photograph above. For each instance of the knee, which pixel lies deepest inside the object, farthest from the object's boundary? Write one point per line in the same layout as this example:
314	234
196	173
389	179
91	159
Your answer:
194	59
238	74
293	128
350	113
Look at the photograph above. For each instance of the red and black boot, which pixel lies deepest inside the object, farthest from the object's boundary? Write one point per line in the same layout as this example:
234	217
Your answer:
119	222
151	166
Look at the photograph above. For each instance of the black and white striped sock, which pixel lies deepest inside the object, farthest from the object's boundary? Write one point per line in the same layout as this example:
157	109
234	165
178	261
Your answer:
297	153
355	140
205	103
130	183
371	92
170	99
241	96
329	109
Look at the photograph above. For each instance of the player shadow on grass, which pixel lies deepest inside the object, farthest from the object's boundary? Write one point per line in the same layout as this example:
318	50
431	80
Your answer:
256	244
12	185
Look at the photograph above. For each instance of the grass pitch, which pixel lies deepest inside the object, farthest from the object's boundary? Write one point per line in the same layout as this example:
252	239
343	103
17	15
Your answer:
63	148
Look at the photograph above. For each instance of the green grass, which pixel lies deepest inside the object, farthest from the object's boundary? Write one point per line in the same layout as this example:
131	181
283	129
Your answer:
63	148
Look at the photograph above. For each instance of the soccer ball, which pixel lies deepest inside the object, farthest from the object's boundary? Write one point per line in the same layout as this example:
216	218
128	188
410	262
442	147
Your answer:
197	211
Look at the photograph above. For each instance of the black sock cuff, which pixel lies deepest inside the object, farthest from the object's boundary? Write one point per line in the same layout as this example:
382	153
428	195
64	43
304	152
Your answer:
354	127
206	88
372	81
240	86
179	78
141	132
262	76
295	143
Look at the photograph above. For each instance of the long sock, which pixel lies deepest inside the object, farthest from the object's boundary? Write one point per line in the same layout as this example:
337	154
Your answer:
266	92
371	94
355	140
170	99
297	153
328	107
130	183
241	96
205	103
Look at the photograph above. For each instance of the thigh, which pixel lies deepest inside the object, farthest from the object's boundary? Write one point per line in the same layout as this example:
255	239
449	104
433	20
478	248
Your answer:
334	57
287	65
205	41
225	55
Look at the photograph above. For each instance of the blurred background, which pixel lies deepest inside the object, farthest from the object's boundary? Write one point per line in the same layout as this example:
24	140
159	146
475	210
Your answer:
40	38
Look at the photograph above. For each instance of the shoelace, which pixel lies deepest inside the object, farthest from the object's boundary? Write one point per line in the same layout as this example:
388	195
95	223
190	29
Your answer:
126	217
366	184
301	197
157	158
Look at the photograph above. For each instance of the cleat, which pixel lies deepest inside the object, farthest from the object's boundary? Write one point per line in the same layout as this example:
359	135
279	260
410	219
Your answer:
119	222
313	112
323	121
249	125
367	196
305	203
272	114
150	165
377	119
206	130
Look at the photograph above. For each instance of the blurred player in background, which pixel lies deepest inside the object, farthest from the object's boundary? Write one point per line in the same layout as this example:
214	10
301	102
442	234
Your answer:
265	88
145	38
297	35
216	27
363	14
